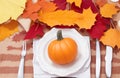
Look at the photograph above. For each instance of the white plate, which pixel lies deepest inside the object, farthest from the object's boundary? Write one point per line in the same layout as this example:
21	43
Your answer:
62	70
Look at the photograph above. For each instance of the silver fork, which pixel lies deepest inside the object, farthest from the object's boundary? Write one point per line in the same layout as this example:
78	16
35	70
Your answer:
21	65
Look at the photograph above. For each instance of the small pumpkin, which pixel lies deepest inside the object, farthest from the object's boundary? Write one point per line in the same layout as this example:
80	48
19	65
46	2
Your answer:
62	50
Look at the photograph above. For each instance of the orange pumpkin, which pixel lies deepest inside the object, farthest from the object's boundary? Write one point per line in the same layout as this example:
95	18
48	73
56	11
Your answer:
62	50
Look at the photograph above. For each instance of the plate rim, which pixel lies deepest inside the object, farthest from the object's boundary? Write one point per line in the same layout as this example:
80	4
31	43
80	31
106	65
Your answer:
68	73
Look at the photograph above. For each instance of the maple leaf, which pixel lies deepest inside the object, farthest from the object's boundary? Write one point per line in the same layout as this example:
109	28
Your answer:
111	38
56	17
8	29
77	2
89	4
32	9
70	18
61	4
37	29
76	8
47	6
11	9
101	25
108	10
88	19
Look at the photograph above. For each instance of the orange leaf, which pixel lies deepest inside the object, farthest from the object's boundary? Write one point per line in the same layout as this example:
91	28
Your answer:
32	9
69	17
8	29
77	2
100	2
47	6
108	10
111	38
88	19
65	17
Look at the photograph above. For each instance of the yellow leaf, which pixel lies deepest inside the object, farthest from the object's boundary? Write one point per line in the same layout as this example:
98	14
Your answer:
68	17
111	38
88	19
77	2
11	9
8	29
108	10
65	17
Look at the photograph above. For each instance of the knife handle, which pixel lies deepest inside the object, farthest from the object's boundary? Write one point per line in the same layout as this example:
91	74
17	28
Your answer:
108	60
98	59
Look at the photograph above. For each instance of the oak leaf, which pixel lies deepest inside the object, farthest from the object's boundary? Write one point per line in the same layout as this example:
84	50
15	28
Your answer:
108	10
8	29
111	38
11	9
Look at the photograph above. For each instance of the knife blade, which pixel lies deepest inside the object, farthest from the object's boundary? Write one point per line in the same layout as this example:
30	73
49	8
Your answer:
108	61
98	59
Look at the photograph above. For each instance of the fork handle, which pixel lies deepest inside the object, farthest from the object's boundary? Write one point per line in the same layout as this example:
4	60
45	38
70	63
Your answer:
21	68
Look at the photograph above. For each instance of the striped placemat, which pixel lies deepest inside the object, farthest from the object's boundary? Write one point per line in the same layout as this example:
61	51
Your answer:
10	50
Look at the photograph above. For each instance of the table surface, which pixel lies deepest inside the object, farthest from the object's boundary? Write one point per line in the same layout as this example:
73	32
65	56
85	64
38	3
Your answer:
10	50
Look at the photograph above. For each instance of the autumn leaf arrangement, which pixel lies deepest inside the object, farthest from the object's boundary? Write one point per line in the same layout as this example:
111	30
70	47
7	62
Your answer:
98	18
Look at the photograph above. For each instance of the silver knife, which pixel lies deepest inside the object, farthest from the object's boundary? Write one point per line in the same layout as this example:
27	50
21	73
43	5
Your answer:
108	60
98	59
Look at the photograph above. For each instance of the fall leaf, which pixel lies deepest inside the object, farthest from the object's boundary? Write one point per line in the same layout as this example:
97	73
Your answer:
8	29
101	25
47	6
76	8
65	17
11	9
61	4
32	9
88	19
111	38
108	10
69	17
100	3
77	2
89	4
37	29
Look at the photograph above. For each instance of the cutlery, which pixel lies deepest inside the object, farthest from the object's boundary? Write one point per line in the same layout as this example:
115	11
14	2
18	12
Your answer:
98	59
21	65
108	60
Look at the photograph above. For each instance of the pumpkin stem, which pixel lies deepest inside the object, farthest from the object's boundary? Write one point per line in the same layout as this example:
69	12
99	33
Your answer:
59	35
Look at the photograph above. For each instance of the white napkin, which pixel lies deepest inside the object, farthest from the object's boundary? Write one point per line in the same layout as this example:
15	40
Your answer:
39	73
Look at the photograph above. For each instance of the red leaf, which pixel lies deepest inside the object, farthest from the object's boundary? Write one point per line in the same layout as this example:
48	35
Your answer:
89	3
99	28
61	4
76	8
37	29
